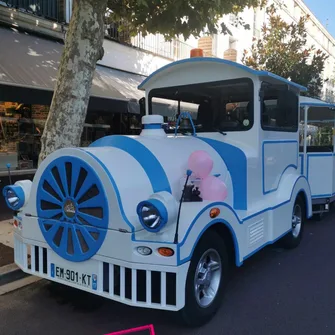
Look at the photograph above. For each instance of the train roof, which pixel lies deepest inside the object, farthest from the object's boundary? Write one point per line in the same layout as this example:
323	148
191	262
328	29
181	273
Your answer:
311	102
174	72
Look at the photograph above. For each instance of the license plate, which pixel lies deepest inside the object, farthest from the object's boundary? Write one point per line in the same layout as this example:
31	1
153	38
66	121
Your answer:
81	279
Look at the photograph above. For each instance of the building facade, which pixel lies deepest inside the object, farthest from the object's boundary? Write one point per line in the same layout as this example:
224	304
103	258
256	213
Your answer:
232	46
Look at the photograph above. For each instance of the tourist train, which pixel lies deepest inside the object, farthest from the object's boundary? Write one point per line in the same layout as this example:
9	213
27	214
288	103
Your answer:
158	220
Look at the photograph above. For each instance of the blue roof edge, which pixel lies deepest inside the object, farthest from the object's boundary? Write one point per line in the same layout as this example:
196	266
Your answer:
315	104
227	62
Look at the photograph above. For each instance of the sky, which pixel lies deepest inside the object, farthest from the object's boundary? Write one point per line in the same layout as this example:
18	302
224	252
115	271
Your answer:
323	10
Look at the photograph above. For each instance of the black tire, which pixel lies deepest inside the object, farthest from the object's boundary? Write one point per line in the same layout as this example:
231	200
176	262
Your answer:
193	314
291	241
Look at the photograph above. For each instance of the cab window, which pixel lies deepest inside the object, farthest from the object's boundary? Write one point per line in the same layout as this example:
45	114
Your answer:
279	108
214	106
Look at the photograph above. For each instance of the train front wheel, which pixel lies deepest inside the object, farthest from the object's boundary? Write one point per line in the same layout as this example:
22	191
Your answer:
206	280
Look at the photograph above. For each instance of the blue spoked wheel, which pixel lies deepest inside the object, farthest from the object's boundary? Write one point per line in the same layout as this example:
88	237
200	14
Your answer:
72	209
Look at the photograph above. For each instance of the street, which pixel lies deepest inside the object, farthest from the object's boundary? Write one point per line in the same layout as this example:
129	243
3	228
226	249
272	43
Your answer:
276	292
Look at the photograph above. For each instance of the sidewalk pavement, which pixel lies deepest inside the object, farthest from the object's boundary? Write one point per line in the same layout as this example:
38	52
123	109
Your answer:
6	233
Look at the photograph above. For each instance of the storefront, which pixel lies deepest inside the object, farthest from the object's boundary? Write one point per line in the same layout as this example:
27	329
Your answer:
28	71
21	127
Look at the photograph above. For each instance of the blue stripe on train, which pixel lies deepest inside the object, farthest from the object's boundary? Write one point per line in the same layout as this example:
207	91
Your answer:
236	162
143	155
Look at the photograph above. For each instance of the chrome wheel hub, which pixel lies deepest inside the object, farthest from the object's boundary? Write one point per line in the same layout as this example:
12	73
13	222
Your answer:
207	278
296	220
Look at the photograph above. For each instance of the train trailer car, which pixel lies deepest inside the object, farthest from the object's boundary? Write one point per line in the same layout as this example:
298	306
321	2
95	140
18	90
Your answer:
317	157
156	220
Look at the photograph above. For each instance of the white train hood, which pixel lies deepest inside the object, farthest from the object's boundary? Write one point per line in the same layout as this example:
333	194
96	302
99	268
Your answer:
121	171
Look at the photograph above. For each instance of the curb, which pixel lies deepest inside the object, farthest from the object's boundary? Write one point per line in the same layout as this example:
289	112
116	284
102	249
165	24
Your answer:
18	284
10	273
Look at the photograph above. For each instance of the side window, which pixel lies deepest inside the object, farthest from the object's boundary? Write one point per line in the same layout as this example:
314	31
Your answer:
301	129
320	137
280	109
320	130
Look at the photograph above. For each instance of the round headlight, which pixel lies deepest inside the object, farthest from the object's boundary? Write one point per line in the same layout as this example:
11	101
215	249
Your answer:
152	214
14	196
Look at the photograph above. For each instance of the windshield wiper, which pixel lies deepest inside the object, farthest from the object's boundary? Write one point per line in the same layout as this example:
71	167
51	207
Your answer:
220	131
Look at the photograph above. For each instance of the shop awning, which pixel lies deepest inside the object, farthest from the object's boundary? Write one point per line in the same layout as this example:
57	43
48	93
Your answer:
30	62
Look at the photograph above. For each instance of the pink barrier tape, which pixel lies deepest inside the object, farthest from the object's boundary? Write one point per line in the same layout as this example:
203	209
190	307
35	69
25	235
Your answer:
150	328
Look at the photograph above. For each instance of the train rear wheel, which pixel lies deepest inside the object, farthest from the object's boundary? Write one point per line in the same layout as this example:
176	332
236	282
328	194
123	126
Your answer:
294	237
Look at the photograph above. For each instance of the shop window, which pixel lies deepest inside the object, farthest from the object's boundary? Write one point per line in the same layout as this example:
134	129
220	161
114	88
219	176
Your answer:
22	126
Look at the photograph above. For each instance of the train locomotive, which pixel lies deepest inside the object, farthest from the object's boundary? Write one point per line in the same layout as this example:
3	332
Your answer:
157	220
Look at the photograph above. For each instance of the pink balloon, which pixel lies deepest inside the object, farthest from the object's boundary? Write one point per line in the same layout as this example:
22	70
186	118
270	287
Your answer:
200	163
214	189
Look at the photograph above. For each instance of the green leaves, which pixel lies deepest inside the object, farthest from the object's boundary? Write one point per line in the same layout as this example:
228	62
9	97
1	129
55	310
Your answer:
142	3
282	50
175	17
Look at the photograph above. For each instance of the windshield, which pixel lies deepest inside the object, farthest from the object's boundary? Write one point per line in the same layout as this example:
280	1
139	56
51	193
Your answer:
214	106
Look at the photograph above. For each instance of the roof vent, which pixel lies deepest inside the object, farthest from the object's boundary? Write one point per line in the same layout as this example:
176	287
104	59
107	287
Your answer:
152	126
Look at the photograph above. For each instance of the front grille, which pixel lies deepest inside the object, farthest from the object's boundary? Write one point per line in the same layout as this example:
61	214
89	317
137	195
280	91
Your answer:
39	260
31	257
145	286
132	286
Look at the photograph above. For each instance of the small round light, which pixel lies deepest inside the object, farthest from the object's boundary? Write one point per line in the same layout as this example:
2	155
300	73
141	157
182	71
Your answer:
144	251
166	252
214	213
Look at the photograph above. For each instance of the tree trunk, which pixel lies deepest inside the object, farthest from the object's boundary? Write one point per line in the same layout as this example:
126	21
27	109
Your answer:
83	48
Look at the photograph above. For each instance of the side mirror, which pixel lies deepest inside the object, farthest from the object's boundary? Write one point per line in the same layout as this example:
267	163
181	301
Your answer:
142	106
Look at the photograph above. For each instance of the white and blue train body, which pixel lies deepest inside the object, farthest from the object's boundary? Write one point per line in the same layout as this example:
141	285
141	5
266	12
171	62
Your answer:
317	158
84	218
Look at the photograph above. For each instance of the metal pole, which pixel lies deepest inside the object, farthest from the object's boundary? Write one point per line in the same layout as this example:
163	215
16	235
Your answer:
306	108
9	175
